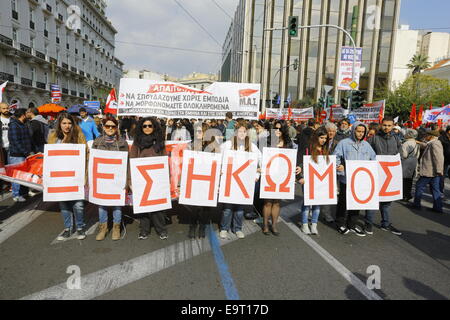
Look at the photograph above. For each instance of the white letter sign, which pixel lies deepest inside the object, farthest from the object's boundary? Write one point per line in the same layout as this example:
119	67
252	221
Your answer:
107	177
391	178
278	173
64	172
151	185
200	178
237	184
320	181
362	185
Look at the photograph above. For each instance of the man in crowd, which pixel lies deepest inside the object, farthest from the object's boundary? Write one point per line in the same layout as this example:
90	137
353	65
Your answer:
292	130
331	129
445	140
5	118
431	169
38	128
304	138
353	148
88	126
230	125
20	147
344	131
384	143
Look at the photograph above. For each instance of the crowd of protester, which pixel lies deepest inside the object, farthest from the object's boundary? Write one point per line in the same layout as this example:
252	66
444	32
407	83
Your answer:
425	154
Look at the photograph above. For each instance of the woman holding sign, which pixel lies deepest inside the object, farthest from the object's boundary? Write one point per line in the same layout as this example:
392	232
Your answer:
67	131
239	142
272	206
201	216
110	141
149	142
318	147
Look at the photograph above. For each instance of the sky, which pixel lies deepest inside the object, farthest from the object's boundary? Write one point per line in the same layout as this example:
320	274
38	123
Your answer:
143	25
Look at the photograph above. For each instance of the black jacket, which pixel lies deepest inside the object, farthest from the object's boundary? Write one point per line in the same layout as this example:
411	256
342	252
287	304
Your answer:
446	144
386	144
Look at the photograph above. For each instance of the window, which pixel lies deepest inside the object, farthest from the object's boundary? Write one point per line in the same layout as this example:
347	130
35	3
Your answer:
46	49
13	5
33	74
16	69
14	34
31	15
45	77
31	42
46	24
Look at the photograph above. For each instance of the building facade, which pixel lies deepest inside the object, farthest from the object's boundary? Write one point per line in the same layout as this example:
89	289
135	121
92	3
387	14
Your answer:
251	53
67	42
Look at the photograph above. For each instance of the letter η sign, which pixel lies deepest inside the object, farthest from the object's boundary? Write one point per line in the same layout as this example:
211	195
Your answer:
151	185
391	178
362	185
200	178
320	181
107	177
237	183
278	173
64	172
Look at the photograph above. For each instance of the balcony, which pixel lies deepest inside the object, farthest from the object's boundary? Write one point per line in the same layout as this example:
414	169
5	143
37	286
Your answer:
47	8
26	82
65	91
31	25
6	40
40	55
73	93
25	49
15	15
73	69
54	61
82	73
81	95
60	18
65	66
34	2
6	77
41	85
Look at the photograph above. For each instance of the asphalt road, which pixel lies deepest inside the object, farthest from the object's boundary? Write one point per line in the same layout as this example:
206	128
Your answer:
293	266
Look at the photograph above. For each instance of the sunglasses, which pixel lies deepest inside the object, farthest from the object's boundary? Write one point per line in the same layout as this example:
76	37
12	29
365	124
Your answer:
145	126
277	129
109	127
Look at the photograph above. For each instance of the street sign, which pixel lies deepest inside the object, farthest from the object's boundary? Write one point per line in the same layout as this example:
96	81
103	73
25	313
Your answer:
354	85
346	81
92	104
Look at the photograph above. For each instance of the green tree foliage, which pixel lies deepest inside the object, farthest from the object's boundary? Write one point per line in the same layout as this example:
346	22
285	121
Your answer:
419	89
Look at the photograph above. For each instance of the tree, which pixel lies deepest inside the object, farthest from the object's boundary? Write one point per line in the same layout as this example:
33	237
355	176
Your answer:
418	63
399	101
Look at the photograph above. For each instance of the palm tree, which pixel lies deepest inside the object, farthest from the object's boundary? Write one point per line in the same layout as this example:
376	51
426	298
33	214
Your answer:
418	63
90	85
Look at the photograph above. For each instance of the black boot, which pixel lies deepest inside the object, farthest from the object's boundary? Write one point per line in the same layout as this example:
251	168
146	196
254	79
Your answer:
192	228
202	231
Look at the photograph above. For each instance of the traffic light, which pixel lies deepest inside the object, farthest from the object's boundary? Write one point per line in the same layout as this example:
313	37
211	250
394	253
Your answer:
357	99
293	26
322	102
344	103
330	101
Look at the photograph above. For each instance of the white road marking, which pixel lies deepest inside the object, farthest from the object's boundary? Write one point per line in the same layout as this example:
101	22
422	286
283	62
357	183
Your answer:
119	275
18	221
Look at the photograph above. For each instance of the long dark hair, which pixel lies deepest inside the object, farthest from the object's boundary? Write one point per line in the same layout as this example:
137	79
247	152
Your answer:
156	138
72	136
234	141
287	141
315	144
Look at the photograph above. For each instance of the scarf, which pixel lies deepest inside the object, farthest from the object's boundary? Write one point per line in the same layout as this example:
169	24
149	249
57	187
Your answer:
110	139
145	141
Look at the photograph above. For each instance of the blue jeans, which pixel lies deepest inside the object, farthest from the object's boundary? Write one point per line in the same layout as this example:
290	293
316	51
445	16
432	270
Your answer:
315	213
77	207
435	190
17	189
103	214
384	209
228	215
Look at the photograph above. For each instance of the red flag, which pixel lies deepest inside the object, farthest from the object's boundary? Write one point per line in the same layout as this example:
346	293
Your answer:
431	106
111	103
419	118
413	115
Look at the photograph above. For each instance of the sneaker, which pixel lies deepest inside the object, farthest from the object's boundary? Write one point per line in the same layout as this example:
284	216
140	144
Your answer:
81	234
343	230
64	236
314	231
19	199
32	193
240	235
358	232
142	236
305	228
223	234
392	230
163	236
368	228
